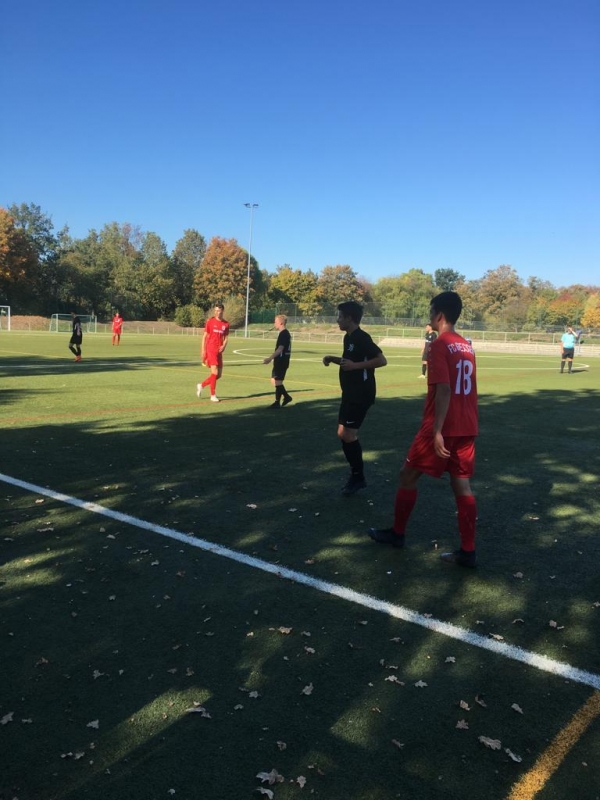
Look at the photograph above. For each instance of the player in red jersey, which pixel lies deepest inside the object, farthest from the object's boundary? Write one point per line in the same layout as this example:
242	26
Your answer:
446	439
117	328
214	342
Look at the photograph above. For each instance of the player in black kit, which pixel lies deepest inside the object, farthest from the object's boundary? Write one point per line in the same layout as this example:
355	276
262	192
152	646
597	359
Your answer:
281	362
360	359
430	336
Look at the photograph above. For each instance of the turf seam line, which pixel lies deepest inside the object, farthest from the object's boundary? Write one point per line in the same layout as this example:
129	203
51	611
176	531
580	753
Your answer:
512	652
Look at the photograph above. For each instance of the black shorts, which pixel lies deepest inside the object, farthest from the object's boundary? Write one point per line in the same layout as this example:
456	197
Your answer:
568	352
424	354
76	340
352	415
280	367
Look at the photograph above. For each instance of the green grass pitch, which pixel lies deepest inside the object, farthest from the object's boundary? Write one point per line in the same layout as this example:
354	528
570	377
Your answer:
110	633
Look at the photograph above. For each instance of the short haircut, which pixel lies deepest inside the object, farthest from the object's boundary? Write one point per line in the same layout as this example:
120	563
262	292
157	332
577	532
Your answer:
219	305
449	304
282	317
351	309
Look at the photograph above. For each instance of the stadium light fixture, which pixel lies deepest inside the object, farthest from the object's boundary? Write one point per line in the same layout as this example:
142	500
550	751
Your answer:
251	206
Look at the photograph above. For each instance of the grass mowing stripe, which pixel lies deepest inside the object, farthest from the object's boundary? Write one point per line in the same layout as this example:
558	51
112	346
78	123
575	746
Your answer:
534	781
511	652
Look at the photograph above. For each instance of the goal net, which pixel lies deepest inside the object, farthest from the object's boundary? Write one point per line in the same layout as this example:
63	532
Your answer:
4	318
63	323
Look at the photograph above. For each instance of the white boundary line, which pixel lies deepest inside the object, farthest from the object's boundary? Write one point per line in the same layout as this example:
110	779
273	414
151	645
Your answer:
335	590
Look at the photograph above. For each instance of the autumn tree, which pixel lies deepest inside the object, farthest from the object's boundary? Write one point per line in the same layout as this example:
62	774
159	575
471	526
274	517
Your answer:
591	313
186	260
339	283
18	261
224	272
295	287
497	288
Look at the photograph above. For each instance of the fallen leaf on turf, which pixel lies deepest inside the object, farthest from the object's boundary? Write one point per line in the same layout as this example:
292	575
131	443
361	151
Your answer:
553	624
253	694
41	662
267	792
154	563
420	684
309	650
518	575
518	619
462	723
93	724
292	510
281	745
464	706
307	689
450	660
517	708
199	710
45	530
77	756
596	604
272	777
497	637
310	561
251	505
363	621
493	744
7	718
238	707
285	631
98	674
397	744
480	701
39	502
394	679
305	633
301	781
512	755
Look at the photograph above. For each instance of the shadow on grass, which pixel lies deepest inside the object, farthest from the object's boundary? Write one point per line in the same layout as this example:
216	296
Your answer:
177	609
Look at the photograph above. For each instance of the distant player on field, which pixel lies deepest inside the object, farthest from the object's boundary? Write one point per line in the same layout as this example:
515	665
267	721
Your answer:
76	337
430	336
446	439
117	328
360	359
214	342
567	346
281	362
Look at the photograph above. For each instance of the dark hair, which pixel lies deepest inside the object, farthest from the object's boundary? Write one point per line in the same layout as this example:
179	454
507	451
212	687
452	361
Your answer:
351	309
449	304
219	305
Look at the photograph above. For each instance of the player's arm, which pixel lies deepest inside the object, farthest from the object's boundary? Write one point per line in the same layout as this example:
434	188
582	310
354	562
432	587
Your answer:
224	345
204	340
327	360
442	404
373	363
272	357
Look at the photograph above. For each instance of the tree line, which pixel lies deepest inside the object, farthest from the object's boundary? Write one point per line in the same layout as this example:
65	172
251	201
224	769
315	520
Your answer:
120	266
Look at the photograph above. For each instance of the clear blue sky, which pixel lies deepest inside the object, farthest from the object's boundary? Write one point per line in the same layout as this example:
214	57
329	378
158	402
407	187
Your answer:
386	134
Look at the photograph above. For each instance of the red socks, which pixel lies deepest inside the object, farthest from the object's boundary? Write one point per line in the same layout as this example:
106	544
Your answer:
405	502
212	382
467	517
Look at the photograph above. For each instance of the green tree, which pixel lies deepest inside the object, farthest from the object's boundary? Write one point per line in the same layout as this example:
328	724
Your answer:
223	272
498	287
187	259
47	245
405	296
446	280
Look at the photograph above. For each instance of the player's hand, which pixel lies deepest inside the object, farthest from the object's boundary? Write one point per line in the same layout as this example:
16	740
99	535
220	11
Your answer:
347	365
439	446
267	360
326	361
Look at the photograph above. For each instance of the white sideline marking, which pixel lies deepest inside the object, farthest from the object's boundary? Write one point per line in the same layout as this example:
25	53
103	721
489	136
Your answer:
367	601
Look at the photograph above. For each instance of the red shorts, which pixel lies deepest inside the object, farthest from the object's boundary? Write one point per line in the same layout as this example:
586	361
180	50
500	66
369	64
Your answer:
214	358
461	463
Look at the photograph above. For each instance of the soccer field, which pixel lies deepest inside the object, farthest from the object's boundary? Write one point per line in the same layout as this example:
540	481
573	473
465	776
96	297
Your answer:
188	602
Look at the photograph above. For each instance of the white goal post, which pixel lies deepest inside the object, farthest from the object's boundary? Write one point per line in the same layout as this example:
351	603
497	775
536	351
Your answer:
63	323
4	318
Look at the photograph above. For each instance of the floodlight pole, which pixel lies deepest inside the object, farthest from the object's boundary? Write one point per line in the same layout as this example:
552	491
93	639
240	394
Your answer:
251	206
